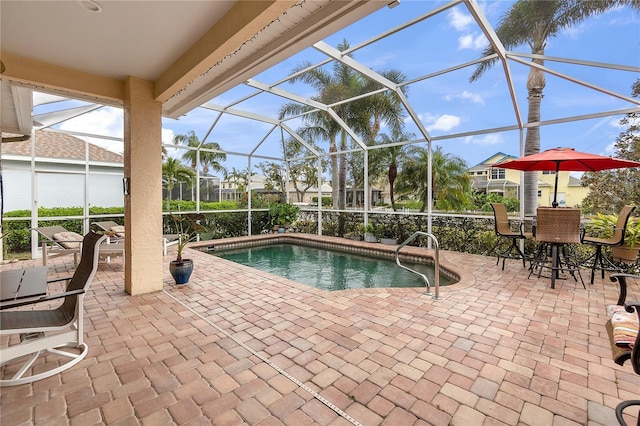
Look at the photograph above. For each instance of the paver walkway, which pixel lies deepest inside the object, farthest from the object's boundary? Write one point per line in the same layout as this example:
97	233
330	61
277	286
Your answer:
236	346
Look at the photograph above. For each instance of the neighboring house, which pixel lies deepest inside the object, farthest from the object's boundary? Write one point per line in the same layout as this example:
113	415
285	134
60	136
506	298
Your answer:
61	177
232	191
311	195
209	189
506	182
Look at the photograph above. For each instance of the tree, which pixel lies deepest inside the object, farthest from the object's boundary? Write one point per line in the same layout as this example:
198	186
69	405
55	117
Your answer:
610	190
303	172
393	157
173	171
276	179
208	159
533	23
363	115
450	181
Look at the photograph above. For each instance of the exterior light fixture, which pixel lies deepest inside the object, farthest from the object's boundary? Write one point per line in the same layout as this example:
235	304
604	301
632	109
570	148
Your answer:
90	6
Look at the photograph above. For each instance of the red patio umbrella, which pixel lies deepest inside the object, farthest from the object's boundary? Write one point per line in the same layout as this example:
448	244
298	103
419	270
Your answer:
565	159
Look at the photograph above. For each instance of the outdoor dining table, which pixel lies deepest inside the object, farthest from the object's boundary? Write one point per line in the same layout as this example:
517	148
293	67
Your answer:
23	283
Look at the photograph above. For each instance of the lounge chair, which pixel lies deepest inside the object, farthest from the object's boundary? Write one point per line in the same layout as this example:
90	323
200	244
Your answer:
58	241
109	225
57	331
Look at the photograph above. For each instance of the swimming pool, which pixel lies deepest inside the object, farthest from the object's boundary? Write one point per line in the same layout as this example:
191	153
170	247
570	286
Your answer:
331	269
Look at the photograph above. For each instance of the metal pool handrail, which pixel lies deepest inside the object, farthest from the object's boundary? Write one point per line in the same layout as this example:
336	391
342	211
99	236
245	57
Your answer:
436	266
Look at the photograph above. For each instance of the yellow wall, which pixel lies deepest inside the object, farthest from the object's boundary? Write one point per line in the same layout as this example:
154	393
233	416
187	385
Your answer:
573	194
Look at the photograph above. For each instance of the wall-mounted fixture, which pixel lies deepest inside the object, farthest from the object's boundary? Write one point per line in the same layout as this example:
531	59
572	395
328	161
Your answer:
90	6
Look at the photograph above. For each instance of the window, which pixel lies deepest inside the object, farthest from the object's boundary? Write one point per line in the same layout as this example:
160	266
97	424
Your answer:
497	174
548	172
539	194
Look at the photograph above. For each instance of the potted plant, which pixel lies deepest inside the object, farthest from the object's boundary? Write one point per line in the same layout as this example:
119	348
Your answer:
187	228
388	235
604	224
282	215
370	231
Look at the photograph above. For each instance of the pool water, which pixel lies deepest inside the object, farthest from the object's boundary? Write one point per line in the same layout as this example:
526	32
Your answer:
330	269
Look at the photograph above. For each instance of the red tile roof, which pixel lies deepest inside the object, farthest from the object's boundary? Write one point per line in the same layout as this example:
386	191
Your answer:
60	145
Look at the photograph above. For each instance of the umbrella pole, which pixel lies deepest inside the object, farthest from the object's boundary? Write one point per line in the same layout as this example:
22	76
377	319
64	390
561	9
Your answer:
555	188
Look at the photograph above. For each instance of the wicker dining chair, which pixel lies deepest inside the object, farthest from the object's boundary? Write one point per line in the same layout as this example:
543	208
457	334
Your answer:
556	229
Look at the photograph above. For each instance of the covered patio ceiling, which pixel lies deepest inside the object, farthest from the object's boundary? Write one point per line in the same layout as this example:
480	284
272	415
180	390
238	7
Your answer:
226	69
190	50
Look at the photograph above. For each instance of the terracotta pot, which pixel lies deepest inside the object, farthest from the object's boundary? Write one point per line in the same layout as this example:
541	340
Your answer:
625	253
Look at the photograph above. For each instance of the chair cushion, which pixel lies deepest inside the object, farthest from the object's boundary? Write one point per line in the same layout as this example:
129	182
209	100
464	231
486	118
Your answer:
625	328
119	230
67	239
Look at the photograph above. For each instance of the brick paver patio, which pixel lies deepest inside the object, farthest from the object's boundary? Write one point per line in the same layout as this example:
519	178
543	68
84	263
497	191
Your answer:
236	346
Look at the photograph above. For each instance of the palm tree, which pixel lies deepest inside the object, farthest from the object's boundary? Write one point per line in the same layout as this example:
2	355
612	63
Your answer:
393	156
533	22
363	115
208	159
174	171
319	125
450	181
240	178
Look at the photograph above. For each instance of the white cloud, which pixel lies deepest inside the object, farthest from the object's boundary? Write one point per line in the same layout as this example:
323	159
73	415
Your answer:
167	135
466	95
106	121
485	140
459	20
473	41
443	122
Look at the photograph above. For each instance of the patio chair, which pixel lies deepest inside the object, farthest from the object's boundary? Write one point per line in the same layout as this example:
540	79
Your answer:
502	228
622	329
617	239
56	332
58	241
109	225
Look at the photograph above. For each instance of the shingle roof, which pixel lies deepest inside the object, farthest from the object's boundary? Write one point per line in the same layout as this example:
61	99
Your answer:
61	145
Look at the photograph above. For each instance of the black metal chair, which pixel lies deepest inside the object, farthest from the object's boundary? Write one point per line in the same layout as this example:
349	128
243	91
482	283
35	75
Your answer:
503	229
57	331
617	239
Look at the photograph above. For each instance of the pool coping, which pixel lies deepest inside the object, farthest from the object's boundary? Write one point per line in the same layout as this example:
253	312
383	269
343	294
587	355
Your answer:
412	253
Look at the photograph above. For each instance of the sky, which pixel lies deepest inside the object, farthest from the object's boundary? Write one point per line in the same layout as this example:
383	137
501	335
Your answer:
446	103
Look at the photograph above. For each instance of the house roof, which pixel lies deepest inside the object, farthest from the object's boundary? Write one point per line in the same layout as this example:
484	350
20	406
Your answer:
498	157
60	145
574	181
